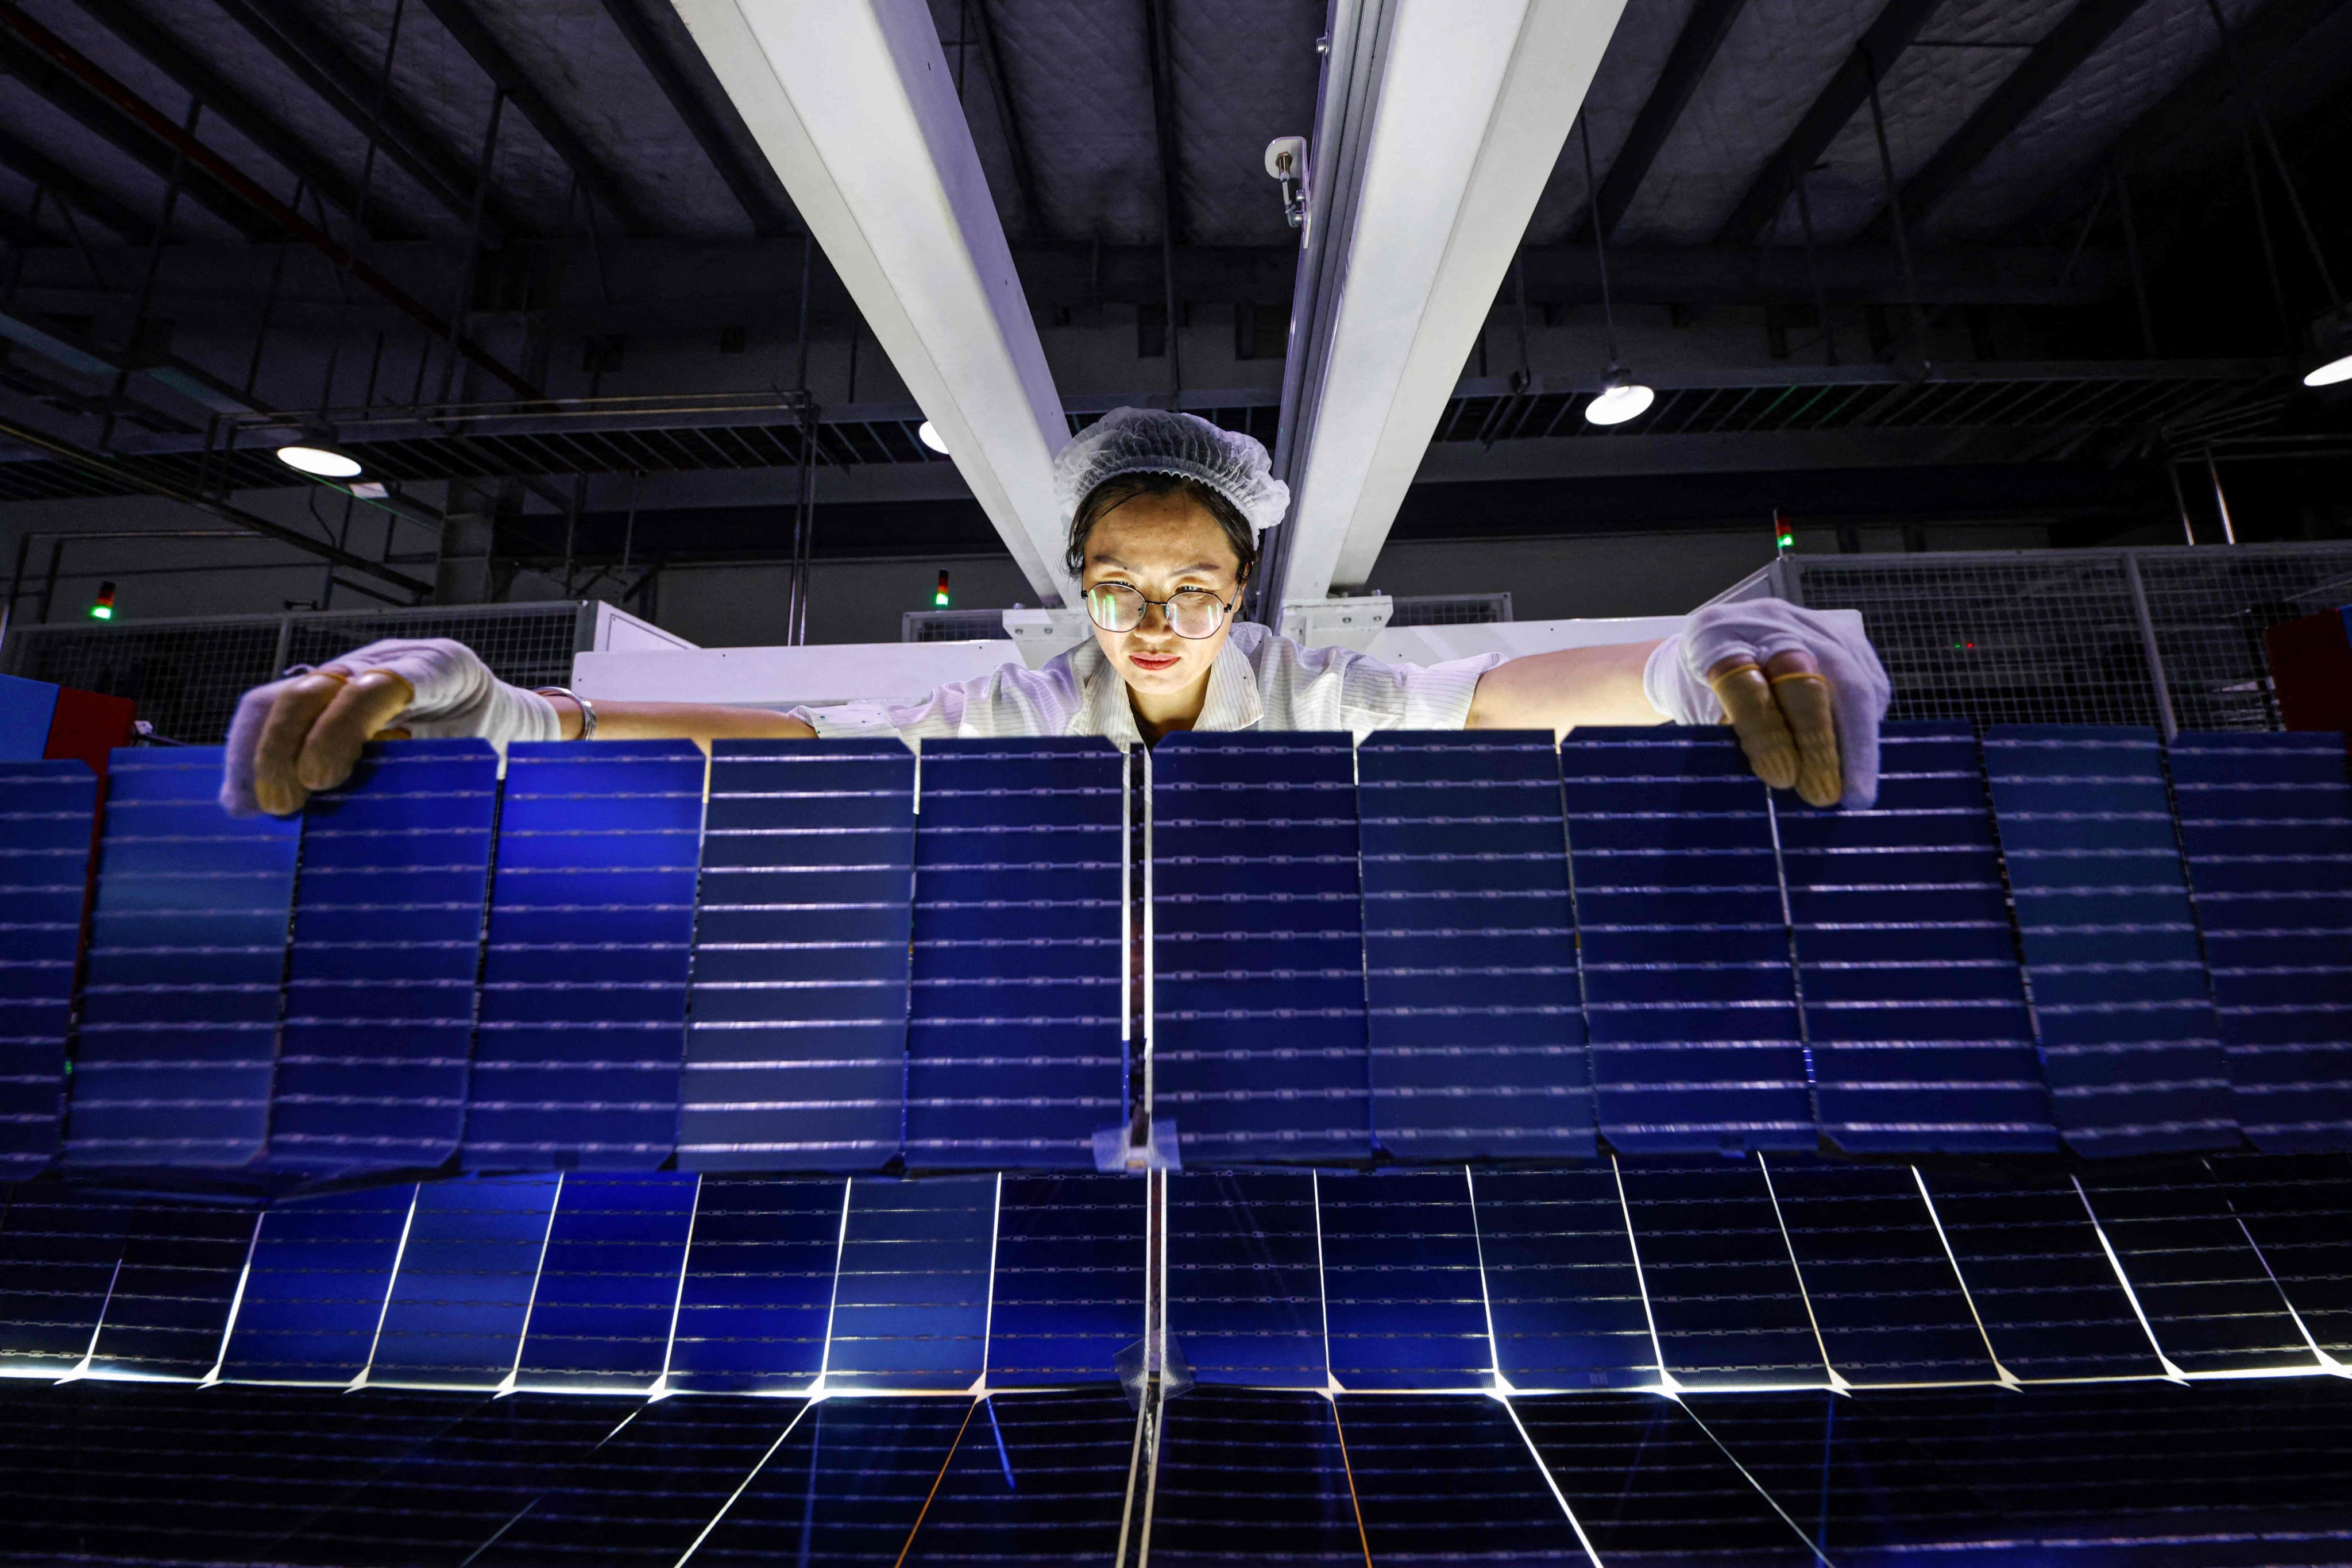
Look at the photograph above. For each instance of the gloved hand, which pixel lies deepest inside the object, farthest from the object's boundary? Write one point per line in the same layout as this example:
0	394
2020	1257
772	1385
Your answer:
1803	688
304	733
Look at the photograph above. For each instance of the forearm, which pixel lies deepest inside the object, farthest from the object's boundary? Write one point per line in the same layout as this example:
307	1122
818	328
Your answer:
701	722
1559	691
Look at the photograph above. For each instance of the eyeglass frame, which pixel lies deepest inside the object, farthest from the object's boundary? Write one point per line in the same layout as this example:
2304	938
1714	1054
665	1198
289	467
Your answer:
1224	609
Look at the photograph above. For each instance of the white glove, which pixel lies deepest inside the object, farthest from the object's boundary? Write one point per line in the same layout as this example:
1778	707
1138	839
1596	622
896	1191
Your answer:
1753	631
456	698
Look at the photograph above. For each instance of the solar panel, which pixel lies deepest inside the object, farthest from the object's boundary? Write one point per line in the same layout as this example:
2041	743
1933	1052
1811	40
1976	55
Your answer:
1476	1022
2266	828
180	1003
1257	948
314	1295
911	1306
167	1305
1068	1272
1726	1296
46	813
758	1284
1562	1281
1683	944
2130	1043
461	1297
1450	1480
1405	1300
1245	1278
2209	1298
59	1251
584	988
387	946
847	1485
2039	1281
609	1285
1015	1044
1252	1476
1913	1010
1882	1289
1037	1477
796	1056
2298	1209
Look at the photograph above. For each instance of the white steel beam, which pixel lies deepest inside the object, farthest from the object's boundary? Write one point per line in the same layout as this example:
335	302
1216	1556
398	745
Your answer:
1437	125
853	104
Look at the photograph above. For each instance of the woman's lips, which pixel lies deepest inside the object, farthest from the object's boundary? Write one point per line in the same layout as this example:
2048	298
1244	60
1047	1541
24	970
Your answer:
1154	661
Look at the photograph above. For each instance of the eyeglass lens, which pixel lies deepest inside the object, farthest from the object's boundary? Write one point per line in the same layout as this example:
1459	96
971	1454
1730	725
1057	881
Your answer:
1191	612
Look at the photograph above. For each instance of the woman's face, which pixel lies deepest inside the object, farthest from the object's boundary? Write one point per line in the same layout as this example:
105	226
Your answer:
1159	544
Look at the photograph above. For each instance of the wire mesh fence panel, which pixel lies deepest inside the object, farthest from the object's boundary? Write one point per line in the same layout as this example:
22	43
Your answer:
524	646
1451	610
952	626
2209	609
2050	638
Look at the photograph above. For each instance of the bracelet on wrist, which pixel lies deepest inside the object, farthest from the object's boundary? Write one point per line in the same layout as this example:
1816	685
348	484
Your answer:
587	709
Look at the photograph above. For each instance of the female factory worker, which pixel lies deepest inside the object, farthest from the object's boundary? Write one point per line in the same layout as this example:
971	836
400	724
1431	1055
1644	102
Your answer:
1166	511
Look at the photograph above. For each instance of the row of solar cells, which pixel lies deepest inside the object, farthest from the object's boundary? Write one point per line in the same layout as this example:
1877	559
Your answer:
1443	947
2237	1473
1779	1272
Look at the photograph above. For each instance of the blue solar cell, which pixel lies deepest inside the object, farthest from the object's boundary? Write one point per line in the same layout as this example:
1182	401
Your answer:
387	945
796	1057
1257	948
1883	1291
1917	1018
462	1296
59	1253
583	990
167	1306
1683	944
2040	1283
1068	1295
1015	1046
1442	1480
1037	1479
2266	826
1252	1477
1406	1302
1562	1281
1476	1024
180	1003
1245	1278
847	1485
759	1285
46	812
609	1287
910	1308
314	1297
2129	1039
1723	1286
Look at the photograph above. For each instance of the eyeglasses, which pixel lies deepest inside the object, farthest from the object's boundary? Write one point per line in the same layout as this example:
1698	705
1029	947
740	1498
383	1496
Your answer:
1191	612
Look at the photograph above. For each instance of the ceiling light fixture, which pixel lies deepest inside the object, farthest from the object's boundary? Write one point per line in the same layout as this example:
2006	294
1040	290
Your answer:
320	462
1621	397
928	435
2331	336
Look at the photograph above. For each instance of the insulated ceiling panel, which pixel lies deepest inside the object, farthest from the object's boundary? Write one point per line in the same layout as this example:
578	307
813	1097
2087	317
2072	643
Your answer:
1724	1293
1405	1301
1476	1022
847	1485
1245	1278
1036	1477
2129	1039
1684	944
1254	1476
1242	72
58	1254
2298	1209
2266	826
44	842
608	1291
796	1057
758	1290
1913	1006
1081	79
1068	1269
314	1294
1015	1040
1562	1282
910	1307
168	1303
187	947
2039	1278
1447	1479
584	988
468	1267
388	913
1257	947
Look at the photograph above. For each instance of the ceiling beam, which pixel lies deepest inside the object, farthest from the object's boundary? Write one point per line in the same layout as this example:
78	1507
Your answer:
1897	24
350	91
595	176
1710	22
754	188
224	100
1008	120
854	105
2044	70
1436	128
65	185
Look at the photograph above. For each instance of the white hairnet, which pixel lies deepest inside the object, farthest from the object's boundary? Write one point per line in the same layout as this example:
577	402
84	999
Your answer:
1160	441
